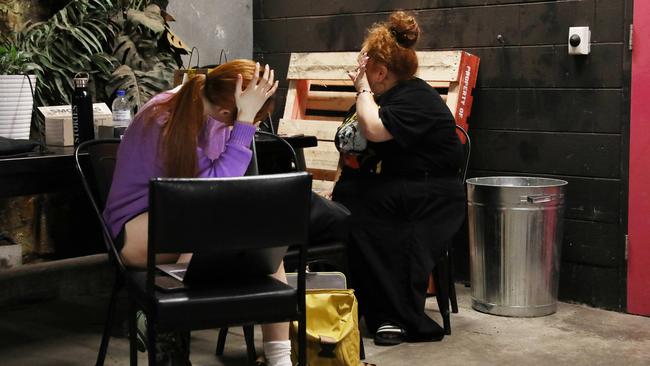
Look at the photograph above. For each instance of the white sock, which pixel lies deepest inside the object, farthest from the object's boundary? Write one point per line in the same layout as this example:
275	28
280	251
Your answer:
277	353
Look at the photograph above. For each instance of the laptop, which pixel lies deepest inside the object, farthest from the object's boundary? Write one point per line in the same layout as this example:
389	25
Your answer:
208	267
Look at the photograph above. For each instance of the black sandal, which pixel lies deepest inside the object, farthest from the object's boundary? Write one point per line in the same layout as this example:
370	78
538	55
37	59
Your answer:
389	335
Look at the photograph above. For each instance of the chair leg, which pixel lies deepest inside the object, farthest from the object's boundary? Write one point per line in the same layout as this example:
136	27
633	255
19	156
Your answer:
151	340
452	285
221	341
442	297
249	336
302	335
101	356
452	297
133	350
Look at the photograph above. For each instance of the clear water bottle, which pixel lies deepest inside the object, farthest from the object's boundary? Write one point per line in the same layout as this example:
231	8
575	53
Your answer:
122	112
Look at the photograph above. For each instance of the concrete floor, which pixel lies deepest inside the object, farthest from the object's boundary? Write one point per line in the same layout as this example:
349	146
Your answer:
61	332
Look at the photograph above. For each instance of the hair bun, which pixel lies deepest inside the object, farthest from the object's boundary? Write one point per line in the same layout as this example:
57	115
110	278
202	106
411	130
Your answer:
404	28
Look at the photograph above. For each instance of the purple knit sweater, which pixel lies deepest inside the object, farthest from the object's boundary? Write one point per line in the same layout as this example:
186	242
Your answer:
221	152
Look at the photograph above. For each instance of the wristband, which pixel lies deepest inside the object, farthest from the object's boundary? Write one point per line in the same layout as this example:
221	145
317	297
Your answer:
365	91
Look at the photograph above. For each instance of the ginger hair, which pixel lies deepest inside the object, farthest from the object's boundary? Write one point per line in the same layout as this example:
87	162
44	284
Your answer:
392	43
186	118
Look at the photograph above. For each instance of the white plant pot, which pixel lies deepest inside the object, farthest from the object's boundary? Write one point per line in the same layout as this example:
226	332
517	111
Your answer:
16	103
11	256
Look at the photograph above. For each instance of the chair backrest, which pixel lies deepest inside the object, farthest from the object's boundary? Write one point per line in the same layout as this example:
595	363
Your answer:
253	168
285	143
467	150
214	214
96	178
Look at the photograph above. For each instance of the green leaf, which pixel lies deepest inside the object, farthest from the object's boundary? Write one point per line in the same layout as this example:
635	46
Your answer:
124	78
61	91
140	86
105	64
61	61
80	37
149	18
63	15
97	30
127	53
30	67
91	38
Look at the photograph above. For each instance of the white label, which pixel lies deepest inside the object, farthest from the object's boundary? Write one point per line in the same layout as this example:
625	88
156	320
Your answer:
62	111
121	118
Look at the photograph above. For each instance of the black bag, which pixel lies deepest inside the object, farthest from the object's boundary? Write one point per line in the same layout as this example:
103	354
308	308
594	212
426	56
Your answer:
13	148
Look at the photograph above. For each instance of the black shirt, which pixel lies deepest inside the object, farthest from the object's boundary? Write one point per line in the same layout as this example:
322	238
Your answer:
424	136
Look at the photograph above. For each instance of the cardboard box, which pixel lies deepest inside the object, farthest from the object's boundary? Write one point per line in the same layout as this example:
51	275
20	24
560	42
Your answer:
109	132
58	122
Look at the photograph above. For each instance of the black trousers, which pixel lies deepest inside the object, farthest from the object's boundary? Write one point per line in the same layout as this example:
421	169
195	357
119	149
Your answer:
328	220
398	228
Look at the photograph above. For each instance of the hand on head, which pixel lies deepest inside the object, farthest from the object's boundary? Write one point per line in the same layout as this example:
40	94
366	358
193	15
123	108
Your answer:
358	76
250	100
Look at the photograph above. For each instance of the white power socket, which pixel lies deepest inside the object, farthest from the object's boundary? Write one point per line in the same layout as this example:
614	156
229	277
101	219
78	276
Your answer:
579	41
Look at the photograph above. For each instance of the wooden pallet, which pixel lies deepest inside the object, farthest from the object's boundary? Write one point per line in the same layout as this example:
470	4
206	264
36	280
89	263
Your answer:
320	93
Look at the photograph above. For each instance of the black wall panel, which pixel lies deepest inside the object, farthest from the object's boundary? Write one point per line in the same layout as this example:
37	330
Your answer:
550	110
589	284
537	110
589	155
589	243
550	67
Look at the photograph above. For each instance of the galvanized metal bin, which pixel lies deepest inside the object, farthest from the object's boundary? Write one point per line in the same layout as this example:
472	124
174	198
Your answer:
515	237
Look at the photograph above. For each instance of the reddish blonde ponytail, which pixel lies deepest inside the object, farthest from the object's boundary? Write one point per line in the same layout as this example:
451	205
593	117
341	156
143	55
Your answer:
186	114
186	120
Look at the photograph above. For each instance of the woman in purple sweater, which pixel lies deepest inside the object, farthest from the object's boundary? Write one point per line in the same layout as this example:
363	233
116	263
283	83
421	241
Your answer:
202	129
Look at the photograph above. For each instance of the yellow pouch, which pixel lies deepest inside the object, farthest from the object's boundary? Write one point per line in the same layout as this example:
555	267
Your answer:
332	329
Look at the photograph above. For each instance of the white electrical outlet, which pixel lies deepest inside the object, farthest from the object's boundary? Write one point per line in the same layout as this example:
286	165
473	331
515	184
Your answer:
579	41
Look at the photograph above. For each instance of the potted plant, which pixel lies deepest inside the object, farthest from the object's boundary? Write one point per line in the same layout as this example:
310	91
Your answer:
17	88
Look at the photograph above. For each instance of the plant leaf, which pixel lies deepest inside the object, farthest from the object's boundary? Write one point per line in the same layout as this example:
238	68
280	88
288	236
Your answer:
149	18
140	86
91	37
127	53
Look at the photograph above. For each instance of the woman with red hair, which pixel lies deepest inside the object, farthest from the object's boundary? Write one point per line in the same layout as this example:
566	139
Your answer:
400	157
202	129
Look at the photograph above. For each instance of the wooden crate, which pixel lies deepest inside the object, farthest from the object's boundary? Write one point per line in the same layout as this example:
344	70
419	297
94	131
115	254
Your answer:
320	93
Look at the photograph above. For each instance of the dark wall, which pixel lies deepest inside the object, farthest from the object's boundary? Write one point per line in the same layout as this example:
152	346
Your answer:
537	110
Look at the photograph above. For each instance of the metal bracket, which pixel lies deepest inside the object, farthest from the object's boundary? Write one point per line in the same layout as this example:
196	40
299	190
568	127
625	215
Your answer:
630	43
538	198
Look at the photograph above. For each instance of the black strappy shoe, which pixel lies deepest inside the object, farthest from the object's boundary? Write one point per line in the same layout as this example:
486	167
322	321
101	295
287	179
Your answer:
389	335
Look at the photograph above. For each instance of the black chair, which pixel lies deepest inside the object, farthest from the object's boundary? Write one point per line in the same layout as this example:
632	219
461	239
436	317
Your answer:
178	209
253	170
443	272
329	253
332	254
182	217
96	180
96	176
467	152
